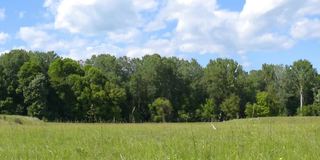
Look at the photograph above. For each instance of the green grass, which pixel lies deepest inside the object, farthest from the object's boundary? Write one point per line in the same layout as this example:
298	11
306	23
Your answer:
264	138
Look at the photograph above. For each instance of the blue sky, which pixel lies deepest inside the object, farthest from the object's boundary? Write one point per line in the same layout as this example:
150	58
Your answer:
249	31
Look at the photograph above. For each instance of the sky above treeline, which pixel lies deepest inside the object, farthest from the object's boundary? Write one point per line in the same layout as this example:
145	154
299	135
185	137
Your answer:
252	32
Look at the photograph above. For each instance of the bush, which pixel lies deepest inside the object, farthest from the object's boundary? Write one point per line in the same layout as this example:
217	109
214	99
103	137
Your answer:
183	116
310	110
255	110
208	111
265	106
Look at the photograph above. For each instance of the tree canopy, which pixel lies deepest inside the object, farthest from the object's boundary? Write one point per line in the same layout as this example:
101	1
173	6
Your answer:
152	88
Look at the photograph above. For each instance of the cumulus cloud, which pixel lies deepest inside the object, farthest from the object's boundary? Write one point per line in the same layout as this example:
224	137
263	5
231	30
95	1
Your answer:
95	16
3	37
161	46
99	16
40	38
306	28
139	27
35	37
205	28
126	36
141	5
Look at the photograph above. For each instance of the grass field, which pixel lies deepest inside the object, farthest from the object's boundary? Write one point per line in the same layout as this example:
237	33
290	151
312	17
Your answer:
264	138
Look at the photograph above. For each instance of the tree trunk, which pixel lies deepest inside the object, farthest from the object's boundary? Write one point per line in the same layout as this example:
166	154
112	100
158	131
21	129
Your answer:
132	115
163	118
301	98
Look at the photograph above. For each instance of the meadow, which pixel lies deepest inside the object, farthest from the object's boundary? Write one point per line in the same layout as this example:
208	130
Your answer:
260	138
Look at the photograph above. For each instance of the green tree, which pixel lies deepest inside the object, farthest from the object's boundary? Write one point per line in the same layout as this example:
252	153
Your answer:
83	100
115	96
143	86
160	109
303	77
209	111
34	87
108	65
59	71
262	107
224	77
276	81
231	107
12	102
193	92
36	95
108	88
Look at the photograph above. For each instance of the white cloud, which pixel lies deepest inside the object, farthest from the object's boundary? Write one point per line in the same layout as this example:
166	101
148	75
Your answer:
2	13
203	27
86	49
200	25
138	52
306	28
309	7
139	27
160	46
3	51
40	38
51	5
95	16
128	36
145	4
164	47
99	16
3	37
35	37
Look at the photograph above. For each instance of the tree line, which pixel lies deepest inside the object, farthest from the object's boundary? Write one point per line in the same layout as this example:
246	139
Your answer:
152	88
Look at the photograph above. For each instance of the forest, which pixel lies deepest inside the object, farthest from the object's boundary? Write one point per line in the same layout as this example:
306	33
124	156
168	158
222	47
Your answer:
106	88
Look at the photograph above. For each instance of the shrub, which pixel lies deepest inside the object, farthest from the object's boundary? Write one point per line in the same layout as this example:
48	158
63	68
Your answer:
255	110
265	106
310	110
184	116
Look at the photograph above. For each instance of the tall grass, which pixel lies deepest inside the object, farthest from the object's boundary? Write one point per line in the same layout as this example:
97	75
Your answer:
265	138
22	120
